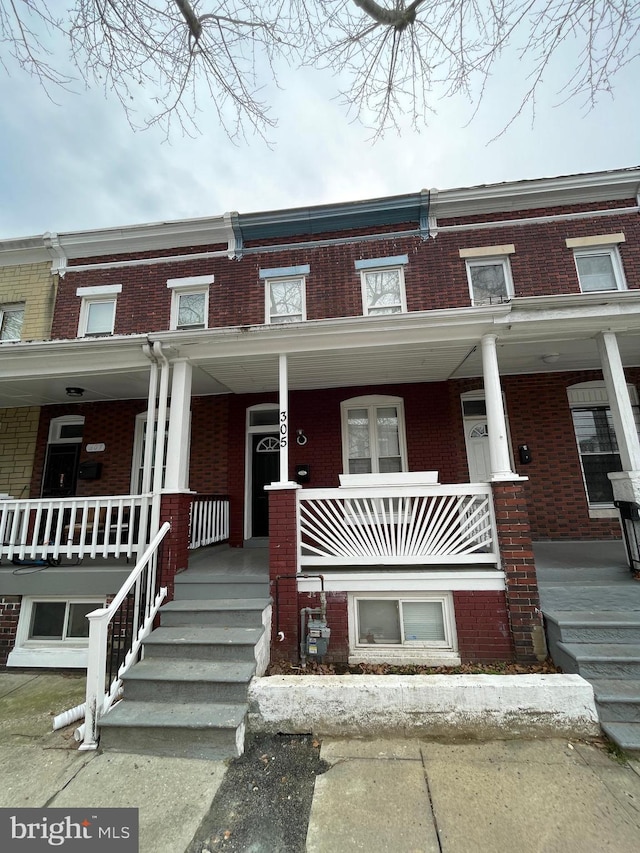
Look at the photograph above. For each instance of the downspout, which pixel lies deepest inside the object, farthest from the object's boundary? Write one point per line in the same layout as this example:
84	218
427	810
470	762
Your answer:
145	486
160	437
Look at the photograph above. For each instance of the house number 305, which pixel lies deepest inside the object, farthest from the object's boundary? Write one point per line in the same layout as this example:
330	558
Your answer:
284	429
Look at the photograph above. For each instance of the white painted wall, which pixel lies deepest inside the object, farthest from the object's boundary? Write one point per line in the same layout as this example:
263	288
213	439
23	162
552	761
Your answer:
431	706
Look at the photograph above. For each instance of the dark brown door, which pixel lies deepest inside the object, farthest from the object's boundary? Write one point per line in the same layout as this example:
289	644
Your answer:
61	471
265	469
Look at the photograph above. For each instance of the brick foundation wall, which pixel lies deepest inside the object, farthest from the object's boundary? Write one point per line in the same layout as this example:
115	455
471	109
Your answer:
9	615
482	625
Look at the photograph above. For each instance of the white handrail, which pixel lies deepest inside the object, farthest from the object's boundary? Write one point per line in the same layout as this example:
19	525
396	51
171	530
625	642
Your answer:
98	701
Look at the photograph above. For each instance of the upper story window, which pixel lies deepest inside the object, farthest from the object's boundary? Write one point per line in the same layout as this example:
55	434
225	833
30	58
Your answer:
11	319
190	302
489	273
98	310
373	435
598	262
285	296
382	280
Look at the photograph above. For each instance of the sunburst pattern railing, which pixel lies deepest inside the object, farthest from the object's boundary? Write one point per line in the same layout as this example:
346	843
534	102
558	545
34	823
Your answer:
401	525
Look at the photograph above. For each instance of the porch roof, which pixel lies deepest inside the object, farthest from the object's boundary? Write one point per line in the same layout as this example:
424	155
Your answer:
425	346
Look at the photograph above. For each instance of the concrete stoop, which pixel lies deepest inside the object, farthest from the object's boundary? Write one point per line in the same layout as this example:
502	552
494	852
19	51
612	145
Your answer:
187	697
604	648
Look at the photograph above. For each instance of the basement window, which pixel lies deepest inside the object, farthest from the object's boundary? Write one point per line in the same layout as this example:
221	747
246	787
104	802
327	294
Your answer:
391	627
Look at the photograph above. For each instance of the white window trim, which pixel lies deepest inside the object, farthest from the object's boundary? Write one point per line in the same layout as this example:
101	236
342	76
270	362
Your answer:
490	260
90	295
175	307
616	265
378	265
267	298
426	653
70	653
373	401
12	306
585	395
55	428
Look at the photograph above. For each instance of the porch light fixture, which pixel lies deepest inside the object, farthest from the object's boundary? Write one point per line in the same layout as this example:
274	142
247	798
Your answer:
74	392
551	357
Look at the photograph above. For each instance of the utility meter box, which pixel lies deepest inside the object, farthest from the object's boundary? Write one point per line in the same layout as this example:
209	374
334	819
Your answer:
318	634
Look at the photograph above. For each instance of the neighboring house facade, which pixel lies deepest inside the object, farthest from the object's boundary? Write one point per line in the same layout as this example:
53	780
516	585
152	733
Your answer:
396	395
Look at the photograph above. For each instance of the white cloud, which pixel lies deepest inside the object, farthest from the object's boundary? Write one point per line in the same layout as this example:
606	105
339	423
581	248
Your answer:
78	165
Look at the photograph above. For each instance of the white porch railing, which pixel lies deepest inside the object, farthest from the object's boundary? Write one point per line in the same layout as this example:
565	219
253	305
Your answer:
55	528
398	525
116	633
208	520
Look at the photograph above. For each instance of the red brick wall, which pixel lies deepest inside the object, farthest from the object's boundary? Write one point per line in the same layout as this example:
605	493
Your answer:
482	625
435	274
9	615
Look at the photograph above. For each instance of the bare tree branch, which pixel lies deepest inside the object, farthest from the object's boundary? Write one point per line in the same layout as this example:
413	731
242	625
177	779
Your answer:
168	61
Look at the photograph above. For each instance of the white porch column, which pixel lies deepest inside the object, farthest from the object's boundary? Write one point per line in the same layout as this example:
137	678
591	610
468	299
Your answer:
283	417
619	401
177	472
626	483
496	420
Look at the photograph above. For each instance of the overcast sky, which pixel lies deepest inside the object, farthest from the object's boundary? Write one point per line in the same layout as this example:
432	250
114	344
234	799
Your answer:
76	164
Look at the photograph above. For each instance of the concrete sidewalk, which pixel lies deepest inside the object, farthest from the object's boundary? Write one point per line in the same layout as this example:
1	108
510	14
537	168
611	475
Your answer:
377	795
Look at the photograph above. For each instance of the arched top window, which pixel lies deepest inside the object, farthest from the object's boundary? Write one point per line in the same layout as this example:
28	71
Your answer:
373	435
67	429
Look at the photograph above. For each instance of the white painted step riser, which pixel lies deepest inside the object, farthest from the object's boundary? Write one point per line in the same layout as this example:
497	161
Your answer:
218	619
619	712
182	692
208	652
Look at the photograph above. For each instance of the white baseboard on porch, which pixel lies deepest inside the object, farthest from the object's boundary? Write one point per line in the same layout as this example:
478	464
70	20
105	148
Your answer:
429	706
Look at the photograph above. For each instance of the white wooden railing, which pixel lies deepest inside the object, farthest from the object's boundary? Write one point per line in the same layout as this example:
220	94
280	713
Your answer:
116	633
397	525
55	528
208	520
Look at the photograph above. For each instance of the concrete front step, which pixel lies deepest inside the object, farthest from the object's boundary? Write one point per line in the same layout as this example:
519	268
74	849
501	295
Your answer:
209	731
197	681
196	585
586	626
203	643
618	700
626	735
222	612
599	660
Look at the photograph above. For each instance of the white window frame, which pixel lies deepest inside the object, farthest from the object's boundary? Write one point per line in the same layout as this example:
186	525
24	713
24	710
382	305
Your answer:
376	266
179	287
372	402
498	260
92	296
616	266
593	395
277	275
443	652
68	653
137	461
11	307
56	425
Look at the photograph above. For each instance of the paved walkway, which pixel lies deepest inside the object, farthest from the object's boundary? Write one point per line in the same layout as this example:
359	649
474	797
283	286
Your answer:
401	796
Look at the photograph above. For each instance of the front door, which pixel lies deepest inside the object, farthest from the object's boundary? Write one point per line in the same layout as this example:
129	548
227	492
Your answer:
476	437
265	468
61	471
